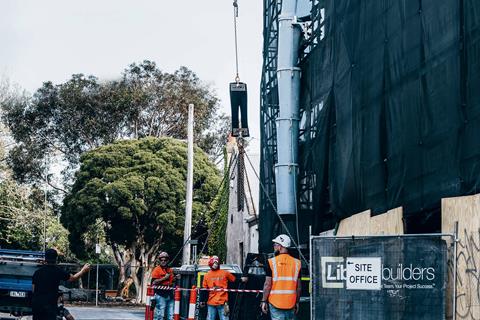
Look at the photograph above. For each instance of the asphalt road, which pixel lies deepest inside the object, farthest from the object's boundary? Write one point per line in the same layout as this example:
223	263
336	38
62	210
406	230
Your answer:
92	313
100	313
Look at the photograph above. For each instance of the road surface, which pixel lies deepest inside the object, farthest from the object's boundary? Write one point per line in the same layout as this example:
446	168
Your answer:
100	313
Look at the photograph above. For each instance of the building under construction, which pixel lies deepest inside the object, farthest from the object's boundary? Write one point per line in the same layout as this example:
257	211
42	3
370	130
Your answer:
387	114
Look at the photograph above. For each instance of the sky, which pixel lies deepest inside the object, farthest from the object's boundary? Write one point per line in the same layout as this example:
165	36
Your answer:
49	40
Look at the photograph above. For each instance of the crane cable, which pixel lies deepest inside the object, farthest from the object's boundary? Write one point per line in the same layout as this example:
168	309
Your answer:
235	16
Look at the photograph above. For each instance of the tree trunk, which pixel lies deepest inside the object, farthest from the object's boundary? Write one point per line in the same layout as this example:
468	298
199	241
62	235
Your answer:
136	280
146	281
121	279
141	267
121	260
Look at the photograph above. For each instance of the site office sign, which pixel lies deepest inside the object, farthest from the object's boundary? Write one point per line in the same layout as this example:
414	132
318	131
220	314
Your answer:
368	273
373	278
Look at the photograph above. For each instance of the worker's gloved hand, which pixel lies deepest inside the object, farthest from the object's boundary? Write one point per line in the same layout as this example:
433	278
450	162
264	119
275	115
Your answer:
226	310
202	304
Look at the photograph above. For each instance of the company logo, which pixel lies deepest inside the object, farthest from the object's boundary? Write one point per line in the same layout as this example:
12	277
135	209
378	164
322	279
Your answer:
335	274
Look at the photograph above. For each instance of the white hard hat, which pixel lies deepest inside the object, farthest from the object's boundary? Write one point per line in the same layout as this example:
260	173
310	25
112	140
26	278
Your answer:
163	254
283	240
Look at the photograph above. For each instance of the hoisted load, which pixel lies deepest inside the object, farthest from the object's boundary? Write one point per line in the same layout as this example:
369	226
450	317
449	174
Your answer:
238	92
238	101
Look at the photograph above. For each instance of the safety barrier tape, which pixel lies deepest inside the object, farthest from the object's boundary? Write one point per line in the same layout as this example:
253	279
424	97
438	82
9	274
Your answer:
206	289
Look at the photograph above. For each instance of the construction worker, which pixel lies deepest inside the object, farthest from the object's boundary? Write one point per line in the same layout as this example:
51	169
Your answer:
281	291
162	275
45	283
217	300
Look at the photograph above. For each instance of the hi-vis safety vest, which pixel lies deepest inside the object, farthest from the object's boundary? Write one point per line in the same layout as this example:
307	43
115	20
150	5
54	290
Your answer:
285	270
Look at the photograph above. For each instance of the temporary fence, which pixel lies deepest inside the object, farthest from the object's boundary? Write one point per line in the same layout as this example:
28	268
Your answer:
381	277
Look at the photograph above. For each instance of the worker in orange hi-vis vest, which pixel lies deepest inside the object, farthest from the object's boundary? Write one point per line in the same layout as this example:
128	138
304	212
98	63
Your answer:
162	275
281	291
217	300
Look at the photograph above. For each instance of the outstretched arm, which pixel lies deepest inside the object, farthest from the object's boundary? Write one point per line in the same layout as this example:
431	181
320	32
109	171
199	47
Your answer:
80	273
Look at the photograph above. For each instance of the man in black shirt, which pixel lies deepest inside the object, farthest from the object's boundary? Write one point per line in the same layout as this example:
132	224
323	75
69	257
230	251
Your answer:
45	286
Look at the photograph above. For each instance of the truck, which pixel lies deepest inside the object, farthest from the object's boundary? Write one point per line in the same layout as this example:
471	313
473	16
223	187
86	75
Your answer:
16	270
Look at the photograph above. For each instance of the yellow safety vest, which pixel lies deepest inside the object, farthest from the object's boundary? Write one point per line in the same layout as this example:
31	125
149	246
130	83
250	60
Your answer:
285	270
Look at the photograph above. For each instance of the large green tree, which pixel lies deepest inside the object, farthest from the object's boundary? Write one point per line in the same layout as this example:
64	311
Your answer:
64	120
134	190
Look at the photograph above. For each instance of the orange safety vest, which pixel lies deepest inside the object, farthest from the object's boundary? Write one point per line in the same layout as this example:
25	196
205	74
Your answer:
285	271
217	278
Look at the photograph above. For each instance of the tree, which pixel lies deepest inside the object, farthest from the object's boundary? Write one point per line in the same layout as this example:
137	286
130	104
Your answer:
24	220
135	190
67	119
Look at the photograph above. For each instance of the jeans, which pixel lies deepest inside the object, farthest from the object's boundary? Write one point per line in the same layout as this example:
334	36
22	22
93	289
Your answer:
164	306
213	310
281	314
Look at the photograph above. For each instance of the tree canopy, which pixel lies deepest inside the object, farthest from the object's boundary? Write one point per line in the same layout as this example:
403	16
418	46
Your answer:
25	222
67	119
135	190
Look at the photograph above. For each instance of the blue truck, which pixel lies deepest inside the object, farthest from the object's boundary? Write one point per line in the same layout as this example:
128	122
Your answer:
16	271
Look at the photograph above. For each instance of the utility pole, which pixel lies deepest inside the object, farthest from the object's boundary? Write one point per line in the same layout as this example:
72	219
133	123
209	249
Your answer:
188	206
45	209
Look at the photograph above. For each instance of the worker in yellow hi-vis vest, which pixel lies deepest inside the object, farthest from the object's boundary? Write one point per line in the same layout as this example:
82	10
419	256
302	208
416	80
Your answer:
281	291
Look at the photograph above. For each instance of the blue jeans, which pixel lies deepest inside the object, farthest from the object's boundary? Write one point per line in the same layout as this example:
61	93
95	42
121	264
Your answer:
163	307
213	310
281	314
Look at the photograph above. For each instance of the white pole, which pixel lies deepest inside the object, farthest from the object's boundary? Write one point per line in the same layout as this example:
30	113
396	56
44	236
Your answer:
45	209
189	199
96	289
97	251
